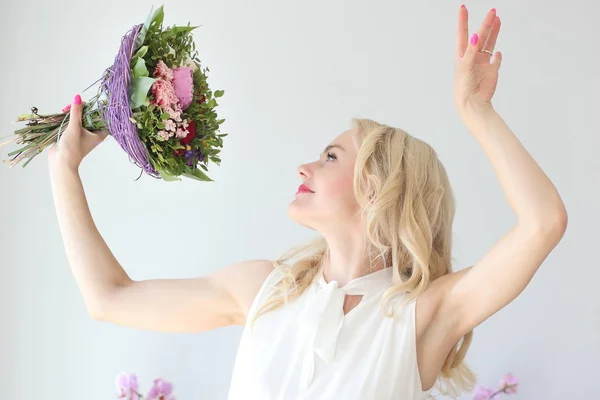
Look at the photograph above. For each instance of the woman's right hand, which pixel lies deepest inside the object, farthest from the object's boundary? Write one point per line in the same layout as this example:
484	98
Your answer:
76	142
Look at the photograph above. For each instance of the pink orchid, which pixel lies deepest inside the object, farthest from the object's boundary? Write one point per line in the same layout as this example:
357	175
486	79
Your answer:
160	390
127	387
482	393
509	383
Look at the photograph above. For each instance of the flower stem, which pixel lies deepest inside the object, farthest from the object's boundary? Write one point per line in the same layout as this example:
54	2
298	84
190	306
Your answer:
502	390
44	130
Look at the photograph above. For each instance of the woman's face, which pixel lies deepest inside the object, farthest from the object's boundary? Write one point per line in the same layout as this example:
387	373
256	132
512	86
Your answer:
329	194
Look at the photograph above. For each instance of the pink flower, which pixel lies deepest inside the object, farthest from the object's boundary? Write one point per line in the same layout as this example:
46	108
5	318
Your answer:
509	383
170	125
165	135
183	81
175	115
161	390
181	133
163	72
127	387
164	93
482	393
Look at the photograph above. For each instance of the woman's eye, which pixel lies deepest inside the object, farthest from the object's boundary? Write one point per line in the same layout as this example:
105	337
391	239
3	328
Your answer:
331	156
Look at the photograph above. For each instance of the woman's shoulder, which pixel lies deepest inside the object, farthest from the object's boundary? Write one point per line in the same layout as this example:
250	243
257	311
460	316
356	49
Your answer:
248	278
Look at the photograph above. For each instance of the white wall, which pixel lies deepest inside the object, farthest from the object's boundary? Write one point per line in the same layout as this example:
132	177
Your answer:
294	75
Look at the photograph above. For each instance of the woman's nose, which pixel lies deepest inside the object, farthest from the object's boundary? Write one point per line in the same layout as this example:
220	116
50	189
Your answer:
304	171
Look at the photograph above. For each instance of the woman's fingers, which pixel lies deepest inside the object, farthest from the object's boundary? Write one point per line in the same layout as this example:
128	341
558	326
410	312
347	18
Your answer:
490	44
462	36
486	27
478	40
75	121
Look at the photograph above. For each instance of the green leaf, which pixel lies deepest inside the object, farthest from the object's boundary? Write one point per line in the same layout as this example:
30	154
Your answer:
167	177
219	93
141	52
184	29
139	90
153	18
200	175
139	68
158	16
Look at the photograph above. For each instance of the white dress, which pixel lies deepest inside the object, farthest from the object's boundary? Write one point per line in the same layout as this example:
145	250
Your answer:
309	350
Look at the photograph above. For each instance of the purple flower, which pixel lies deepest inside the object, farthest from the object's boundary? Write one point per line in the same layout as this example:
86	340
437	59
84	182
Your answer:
509	383
193	156
127	387
482	393
161	390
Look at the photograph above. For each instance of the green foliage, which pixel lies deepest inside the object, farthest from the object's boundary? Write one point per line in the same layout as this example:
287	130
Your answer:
175	47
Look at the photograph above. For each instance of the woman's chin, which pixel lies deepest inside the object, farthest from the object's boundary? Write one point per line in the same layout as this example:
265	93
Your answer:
299	214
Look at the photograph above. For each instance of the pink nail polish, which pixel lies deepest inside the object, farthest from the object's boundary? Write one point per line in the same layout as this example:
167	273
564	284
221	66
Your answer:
463	6
67	108
474	39
77	99
493	9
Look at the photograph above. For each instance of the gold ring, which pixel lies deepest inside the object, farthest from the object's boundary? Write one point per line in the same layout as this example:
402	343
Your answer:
487	51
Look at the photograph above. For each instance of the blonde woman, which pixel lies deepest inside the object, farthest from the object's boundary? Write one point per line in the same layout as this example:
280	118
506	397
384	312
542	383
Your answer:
372	308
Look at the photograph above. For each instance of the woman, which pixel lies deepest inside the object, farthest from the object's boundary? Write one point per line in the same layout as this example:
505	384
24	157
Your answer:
372	309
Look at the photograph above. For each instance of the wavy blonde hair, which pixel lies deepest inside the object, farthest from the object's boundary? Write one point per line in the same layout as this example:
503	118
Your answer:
405	195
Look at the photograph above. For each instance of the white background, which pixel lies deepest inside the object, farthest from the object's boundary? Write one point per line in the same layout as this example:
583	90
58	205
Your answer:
294	73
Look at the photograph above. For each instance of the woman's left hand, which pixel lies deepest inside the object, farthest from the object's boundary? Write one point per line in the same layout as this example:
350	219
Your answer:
476	75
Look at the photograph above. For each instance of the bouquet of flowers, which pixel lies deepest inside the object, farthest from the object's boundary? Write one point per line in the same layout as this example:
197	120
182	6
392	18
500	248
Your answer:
128	389
154	101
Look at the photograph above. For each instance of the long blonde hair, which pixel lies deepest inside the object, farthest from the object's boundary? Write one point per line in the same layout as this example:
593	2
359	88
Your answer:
405	195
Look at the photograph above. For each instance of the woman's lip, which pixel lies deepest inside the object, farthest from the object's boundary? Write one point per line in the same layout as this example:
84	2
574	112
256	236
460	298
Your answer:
303	188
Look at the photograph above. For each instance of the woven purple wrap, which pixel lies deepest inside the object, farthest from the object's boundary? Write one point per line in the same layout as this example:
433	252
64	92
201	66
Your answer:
117	113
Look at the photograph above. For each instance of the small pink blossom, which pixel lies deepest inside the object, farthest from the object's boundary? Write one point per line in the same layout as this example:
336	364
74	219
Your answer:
509	383
160	390
174	114
127	387
163	71
482	393
170	125
181	133
185	123
165	135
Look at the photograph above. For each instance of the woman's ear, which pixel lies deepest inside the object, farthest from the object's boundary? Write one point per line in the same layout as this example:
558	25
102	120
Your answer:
371	198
